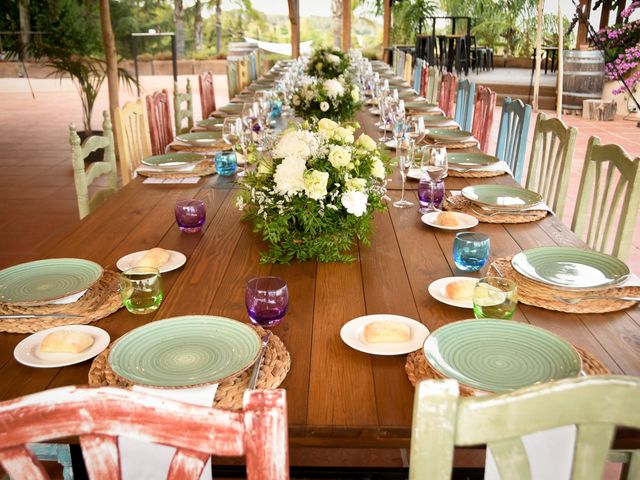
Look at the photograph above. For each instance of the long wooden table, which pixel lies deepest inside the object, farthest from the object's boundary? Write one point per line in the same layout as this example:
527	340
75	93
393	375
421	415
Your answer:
337	396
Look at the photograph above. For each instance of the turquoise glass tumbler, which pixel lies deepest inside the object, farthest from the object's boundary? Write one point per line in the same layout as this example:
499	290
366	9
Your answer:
226	163
470	251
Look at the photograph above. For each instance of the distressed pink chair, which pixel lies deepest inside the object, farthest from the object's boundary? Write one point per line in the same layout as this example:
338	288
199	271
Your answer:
160	121
424	80
447	96
98	416
207	94
483	116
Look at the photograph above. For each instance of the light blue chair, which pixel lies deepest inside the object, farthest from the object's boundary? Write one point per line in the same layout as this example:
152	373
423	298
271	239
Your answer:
53	452
464	104
253	67
417	74
512	136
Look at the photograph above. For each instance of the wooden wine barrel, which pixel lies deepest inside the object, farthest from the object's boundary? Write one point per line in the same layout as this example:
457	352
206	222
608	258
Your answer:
583	77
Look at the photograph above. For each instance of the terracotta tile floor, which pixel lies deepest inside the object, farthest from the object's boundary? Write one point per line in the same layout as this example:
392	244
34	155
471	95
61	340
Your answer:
37	195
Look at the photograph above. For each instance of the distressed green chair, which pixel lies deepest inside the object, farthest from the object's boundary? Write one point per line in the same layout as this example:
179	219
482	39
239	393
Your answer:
183	108
233	83
512	135
550	161
85	177
443	420
608	199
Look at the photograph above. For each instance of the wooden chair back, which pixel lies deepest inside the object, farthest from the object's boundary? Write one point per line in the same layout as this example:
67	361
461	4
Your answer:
98	416
608	199
243	73
464	104
483	116
443	420
433	86
408	68
232	78
447	96
132	137
512	136
550	161
82	177
424	80
417	75
253	67
183	108
160	122
207	94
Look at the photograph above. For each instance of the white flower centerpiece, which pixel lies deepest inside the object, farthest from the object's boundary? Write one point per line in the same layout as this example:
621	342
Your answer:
334	98
327	63
316	193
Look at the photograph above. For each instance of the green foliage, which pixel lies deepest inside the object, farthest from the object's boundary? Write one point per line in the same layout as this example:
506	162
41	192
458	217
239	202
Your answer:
311	100
327	63
407	18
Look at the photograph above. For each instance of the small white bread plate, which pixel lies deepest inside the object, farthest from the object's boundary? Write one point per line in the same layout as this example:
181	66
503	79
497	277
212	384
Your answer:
352	333
28	351
465	220
437	291
176	260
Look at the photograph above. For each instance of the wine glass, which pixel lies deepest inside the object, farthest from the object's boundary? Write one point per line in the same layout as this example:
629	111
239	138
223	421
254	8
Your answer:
231	129
434	166
267	300
398	127
404	164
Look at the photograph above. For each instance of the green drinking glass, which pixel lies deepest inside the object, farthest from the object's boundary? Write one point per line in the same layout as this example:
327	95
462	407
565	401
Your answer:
495	297
141	289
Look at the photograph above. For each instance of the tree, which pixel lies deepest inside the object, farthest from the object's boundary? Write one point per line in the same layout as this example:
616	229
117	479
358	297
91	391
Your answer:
178	13
197	25
336	12
218	26
111	56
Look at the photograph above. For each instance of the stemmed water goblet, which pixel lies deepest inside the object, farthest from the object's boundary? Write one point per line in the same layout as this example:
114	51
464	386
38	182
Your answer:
404	164
434	167
398	127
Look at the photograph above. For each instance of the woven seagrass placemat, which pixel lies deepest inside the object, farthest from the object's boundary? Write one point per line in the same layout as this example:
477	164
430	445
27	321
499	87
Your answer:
475	173
544	296
274	369
451	145
418	368
100	300
201	170
464	205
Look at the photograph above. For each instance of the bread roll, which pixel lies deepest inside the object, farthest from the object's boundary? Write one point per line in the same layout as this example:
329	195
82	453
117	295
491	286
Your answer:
385	331
461	289
447	219
65	341
155	258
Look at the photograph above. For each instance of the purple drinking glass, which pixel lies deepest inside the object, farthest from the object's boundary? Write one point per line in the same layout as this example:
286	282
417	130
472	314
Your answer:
430	195
190	215
267	300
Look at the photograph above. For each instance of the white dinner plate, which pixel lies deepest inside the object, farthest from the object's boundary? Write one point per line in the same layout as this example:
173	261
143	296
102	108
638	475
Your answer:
28	351
415	174
352	333
466	221
437	291
176	260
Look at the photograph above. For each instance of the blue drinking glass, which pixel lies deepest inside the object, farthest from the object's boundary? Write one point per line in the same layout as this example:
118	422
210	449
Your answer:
470	251
226	163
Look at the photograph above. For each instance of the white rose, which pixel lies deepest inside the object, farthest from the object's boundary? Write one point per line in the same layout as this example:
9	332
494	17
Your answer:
332	58
339	157
377	169
315	184
355	94
355	202
289	176
333	88
324	106
366	142
356	184
296	100
344	134
327	126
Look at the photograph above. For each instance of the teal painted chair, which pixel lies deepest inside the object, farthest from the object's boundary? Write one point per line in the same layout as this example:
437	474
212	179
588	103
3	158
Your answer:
52	452
417	74
608	199
550	161
512	136
233	83
82	177
464	104
442	420
183	108
253	69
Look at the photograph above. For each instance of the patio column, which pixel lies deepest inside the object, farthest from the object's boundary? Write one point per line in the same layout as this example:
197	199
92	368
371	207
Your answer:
346	25
582	42
294	19
110	55
386	27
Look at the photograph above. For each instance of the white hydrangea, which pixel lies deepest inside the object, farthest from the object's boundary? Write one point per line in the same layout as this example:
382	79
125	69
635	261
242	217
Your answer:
355	202
297	144
332	58
289	176
315	184
333	88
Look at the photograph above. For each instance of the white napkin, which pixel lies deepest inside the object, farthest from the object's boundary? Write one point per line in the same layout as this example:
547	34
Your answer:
550	454
68	299
172	180
189	167
150	461
499	166
632	281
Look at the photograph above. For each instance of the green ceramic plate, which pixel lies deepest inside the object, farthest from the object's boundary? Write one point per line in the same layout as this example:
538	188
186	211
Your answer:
501	196
173	159
232	108
42	281
470	159
201	139
256	87
420	105
211	123
185	351
500	355
448	135
570	267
